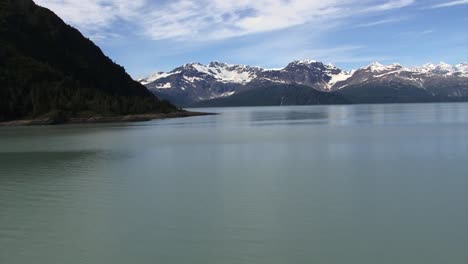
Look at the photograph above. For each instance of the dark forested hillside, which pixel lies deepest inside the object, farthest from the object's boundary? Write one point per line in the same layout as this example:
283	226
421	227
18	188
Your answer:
274	95
383	94
49	68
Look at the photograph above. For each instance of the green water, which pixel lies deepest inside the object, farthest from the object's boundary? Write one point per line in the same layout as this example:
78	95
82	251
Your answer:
320	184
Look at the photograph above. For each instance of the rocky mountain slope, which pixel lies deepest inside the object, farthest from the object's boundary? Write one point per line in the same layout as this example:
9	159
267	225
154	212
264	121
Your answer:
197	84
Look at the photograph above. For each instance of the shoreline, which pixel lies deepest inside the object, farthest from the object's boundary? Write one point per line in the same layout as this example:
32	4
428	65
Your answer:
101	119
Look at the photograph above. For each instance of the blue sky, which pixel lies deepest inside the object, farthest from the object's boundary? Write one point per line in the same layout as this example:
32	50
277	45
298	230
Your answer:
158	35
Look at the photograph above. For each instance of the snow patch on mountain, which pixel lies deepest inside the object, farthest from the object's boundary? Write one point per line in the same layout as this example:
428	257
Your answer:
340	77
165	86
377	67
226	73
226	94
305	62
462	68
192	79
156	76
443	69
234	76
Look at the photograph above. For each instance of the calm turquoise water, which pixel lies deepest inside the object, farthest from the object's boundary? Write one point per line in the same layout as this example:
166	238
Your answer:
321	184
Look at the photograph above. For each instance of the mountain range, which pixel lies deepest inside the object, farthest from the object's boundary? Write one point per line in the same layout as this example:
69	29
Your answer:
308	82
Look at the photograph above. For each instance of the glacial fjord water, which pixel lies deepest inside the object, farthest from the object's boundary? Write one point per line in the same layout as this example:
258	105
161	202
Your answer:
310	184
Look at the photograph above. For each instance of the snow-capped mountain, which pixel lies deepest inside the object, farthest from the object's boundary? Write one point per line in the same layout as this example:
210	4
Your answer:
317	75
195	82
442	81
444	69
216	71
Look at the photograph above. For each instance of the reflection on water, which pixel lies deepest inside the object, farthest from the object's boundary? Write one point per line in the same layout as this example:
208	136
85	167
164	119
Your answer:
363	114
319	184
292	115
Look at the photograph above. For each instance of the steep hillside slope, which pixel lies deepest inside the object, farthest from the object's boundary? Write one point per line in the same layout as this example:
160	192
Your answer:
49	68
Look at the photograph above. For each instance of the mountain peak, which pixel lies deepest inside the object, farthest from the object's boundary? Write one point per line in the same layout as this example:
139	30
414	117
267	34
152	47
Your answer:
379	67
191	64
305	61
218	64
304	65
375	66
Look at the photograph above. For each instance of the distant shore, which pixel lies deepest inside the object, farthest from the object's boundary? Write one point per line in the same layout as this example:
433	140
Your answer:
101	119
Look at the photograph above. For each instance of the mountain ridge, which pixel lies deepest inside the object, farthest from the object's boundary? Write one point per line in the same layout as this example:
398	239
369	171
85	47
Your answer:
194	82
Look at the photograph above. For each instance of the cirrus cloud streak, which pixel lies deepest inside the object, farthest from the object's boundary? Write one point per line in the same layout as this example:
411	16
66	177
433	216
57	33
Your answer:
210	19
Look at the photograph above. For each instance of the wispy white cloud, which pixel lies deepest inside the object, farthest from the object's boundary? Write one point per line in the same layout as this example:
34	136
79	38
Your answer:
388	5
94	14
415	34
380	22
217	19
450	3
211	19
